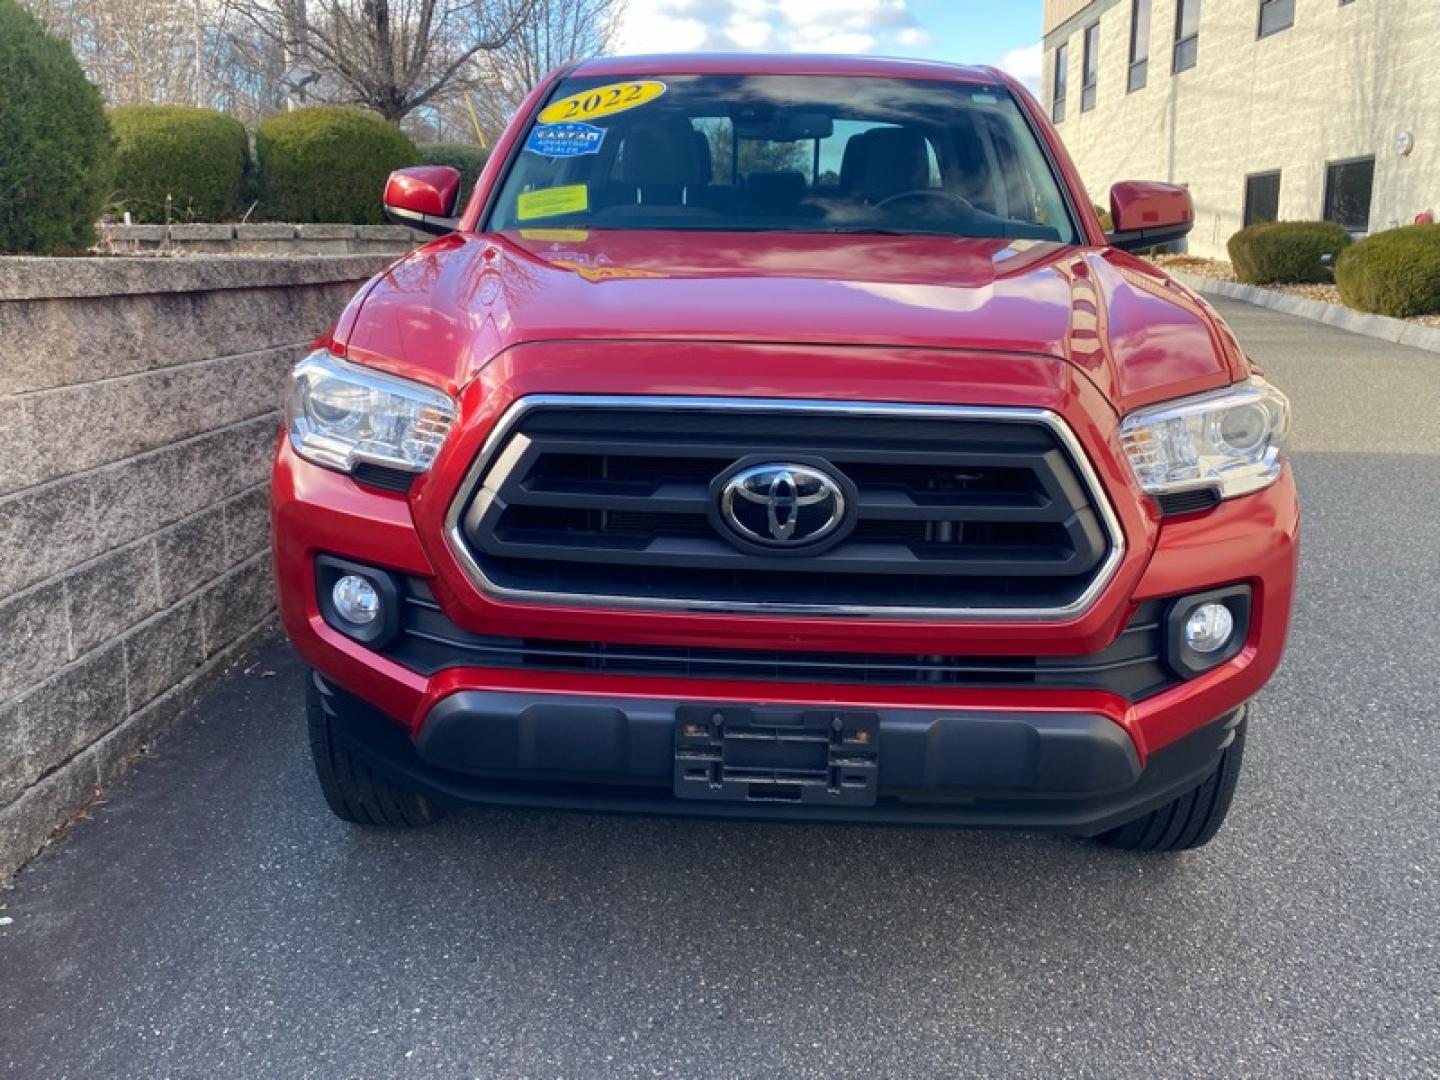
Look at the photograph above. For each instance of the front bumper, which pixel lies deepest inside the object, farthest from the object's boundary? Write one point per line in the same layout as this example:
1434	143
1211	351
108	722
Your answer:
1132	750
1070	772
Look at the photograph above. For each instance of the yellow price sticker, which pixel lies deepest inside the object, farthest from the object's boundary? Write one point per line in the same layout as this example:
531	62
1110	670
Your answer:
603	101
551	202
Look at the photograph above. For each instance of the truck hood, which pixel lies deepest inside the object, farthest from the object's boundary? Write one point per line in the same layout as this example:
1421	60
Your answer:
447	309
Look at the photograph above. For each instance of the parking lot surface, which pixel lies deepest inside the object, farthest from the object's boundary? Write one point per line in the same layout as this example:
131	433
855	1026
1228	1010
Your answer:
214	920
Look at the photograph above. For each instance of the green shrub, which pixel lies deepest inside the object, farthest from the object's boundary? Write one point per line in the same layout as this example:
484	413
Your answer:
1286	251
1106	221
1393	273
197	157
328	163
467	157
55	147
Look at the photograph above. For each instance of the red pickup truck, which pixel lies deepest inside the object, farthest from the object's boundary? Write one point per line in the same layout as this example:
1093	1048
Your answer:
783	437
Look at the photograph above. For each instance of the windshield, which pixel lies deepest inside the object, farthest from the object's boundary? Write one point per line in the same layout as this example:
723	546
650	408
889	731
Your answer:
784	152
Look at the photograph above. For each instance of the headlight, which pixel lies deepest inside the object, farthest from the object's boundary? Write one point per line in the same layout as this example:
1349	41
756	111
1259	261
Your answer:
1232	441
339	414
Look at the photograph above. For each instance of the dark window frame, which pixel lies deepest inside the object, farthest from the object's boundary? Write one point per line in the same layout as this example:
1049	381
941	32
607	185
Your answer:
1250	217
1271	5
1089	66
1332	175
1061	89
1139	60
1186	53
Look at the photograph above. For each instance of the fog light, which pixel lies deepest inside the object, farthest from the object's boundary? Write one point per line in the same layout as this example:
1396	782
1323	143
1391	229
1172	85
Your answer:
1208	628
356	600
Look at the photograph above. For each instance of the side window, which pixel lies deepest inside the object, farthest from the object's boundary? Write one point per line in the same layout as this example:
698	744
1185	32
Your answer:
755	155
1348	189
1187	36
1262	198
719	140
1057	92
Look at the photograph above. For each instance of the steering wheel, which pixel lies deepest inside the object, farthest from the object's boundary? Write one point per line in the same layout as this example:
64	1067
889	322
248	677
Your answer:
919	194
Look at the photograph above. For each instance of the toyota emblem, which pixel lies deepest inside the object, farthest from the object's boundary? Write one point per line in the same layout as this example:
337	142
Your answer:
782	504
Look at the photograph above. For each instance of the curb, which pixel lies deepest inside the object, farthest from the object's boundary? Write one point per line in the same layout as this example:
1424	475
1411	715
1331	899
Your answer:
1397	331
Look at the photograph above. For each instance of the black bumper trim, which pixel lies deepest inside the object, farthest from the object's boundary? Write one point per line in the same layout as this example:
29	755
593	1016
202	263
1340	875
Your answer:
516	736
1053	772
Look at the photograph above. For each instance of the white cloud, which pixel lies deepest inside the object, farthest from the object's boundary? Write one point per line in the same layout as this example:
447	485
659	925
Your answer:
851	26
1024	63
915	37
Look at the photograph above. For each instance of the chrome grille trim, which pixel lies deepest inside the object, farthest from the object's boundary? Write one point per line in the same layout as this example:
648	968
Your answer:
499	436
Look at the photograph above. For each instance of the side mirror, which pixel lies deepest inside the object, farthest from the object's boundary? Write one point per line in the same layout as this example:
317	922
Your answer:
424	198
1147	215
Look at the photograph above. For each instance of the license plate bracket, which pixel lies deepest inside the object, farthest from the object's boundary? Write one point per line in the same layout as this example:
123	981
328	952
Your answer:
773	754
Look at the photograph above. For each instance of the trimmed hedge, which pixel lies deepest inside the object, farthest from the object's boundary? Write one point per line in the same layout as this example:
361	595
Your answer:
198	157
55	148
328	163
1106	221
1393	273
1286	252
467	157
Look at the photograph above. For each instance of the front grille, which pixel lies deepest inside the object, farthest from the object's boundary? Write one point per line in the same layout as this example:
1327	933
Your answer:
956	512
1132	667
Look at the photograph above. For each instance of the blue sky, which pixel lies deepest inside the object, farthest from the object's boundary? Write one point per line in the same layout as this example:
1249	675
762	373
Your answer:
1001	32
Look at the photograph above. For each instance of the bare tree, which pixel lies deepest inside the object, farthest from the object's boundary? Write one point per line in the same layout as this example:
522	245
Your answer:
557	31
192	52
391	56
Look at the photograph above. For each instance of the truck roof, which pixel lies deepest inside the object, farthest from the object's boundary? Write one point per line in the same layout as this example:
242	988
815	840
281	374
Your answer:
782	64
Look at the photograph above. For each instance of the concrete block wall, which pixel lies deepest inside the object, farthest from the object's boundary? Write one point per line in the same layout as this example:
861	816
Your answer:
260	238
138	410
1338	84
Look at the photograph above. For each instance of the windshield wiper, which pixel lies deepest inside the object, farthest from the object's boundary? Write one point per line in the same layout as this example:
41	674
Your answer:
879	230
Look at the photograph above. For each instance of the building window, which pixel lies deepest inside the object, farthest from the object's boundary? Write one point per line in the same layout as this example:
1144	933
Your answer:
1276	15
1057	95
1091	69
1139	44
1262	198
1348	185
1187	35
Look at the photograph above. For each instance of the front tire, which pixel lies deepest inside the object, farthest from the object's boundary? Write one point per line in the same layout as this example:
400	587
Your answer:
1192	820
352	790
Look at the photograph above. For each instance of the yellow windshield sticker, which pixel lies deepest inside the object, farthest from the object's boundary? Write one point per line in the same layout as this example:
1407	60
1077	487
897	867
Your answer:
603	101
556	236
551	202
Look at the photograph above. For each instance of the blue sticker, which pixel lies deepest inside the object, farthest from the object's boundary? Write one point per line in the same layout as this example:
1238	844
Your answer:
569	139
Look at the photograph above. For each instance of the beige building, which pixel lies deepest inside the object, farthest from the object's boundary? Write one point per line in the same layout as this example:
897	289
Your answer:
1265	109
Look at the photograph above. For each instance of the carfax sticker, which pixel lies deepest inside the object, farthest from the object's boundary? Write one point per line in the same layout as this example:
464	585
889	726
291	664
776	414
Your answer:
570	139
552	202
602	101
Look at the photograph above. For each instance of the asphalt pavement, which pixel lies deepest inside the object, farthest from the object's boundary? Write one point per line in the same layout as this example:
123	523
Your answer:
214	920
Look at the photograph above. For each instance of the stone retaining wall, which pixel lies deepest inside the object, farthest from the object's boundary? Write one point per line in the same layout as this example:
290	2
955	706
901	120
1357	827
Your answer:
261	238
138	411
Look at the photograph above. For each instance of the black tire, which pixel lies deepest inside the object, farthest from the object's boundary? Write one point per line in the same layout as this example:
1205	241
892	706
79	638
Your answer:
1192	820
353	791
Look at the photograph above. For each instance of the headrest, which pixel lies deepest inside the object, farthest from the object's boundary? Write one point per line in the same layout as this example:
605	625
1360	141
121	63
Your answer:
704	157
886	162
660	152
776	189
